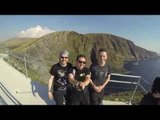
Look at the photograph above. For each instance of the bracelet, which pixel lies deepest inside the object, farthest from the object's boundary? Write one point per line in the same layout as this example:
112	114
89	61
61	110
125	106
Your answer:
49	91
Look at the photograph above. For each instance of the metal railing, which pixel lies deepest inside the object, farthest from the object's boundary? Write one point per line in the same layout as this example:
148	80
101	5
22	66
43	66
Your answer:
6	94
120	82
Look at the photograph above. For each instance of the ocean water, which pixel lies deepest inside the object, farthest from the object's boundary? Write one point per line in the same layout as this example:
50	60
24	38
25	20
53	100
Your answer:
148	69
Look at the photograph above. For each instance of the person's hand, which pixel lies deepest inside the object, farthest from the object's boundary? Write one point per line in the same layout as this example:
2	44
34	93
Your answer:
100	87
80	86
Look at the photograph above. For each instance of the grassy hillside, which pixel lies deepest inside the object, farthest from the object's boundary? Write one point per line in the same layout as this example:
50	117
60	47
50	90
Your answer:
47	48
125	97
17	44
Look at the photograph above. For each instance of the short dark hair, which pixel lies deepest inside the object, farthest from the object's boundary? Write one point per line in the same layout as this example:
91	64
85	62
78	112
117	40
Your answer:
79	56
156	85
102	50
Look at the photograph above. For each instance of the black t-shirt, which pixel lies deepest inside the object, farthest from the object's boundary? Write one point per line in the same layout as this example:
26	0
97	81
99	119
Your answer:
79	75
99	73
60	76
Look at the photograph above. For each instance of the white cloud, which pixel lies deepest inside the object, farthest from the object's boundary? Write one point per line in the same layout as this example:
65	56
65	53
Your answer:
34	32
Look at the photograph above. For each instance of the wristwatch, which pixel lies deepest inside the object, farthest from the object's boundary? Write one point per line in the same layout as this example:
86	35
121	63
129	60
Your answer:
49	90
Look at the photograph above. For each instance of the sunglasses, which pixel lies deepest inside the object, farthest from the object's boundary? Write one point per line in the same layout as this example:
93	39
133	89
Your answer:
84	62
64	57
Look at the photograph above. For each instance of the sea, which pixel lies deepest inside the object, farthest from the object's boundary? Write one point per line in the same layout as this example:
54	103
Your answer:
148	69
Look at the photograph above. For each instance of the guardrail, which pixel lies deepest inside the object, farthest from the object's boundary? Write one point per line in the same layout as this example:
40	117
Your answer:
7	96
124	83
135	82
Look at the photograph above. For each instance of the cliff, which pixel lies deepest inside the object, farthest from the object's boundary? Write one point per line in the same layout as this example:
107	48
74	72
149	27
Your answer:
49	46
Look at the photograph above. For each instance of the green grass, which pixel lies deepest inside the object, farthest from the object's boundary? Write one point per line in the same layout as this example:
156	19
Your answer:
125	97
17	44
49	46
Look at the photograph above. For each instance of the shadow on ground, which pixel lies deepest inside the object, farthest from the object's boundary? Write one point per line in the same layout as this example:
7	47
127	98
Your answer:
42	91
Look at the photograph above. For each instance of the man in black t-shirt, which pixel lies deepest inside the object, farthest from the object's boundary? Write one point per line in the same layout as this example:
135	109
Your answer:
59	80
79	77
100	76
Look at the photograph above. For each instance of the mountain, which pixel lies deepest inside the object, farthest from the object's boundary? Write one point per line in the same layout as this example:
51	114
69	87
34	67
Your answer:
47	48
16	44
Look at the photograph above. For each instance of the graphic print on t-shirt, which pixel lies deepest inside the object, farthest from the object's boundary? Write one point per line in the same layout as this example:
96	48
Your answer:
62	78
101	74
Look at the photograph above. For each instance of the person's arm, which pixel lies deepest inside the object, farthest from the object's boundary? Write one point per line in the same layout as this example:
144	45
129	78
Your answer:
106	82
50	84
107	78
85	83
87	80
92	84
96	88
71	79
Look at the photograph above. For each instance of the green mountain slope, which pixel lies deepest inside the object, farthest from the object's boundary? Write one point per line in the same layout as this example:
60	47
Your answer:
49	46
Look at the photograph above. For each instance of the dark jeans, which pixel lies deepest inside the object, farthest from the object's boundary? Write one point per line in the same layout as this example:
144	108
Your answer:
96	98
59	97
80	98
68	96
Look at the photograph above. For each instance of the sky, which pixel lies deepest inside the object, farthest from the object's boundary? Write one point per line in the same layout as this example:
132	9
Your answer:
143	30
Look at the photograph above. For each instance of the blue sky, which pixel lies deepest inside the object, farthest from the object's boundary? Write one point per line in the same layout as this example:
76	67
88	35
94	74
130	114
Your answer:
143	30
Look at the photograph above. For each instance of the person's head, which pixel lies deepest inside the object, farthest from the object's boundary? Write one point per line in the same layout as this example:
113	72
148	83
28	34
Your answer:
156	85
102	56
63	57
81	62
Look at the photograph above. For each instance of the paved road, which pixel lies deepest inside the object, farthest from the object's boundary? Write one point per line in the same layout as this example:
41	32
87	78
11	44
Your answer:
19	88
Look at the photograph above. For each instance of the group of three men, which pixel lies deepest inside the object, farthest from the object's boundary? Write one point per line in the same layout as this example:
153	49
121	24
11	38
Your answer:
79	85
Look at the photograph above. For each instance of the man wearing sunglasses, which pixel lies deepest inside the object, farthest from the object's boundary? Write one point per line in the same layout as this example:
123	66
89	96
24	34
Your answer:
59	80
100	76
79	77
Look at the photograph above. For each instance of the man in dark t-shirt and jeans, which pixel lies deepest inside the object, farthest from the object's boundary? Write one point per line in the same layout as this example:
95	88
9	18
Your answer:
59	80
100	76
80	79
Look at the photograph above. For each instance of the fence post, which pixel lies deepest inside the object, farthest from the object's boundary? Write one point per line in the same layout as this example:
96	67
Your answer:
7	52
25	65
134	91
